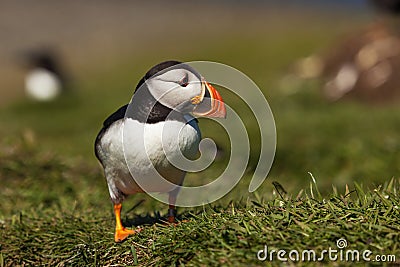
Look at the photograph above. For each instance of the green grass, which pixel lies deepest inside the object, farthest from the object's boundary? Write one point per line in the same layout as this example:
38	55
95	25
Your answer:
72	224
55	207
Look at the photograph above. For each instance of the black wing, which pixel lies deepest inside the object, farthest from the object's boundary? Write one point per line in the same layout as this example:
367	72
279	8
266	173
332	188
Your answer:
116	116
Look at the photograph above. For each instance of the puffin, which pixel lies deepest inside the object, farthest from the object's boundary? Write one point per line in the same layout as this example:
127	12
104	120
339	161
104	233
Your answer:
157	125
45	79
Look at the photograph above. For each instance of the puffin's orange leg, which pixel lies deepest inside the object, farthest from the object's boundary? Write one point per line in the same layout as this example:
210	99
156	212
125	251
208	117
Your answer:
172	208
121	233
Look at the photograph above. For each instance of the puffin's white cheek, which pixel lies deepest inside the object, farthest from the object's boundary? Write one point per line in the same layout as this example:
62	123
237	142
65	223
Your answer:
175	98
179	96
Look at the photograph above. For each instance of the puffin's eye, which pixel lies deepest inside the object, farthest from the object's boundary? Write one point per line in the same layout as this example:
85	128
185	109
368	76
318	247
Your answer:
184	82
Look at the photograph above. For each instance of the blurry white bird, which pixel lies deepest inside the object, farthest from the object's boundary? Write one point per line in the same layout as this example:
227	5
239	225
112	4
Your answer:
158	119
45	79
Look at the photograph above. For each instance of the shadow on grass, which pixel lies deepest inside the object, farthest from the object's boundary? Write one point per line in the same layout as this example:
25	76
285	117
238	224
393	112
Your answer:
151	219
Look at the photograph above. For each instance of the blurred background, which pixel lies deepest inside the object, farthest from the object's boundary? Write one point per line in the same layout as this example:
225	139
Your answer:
329	70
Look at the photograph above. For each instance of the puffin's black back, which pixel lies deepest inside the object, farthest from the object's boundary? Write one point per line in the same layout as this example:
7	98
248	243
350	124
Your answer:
117	115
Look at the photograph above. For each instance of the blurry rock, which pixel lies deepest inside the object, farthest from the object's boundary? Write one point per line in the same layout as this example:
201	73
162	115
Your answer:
364	66
343	82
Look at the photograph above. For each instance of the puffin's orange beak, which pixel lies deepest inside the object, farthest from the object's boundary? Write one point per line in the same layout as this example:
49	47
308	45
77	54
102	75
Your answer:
209	103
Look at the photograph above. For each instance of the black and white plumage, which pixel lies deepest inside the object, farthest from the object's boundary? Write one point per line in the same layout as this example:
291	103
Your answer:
156	126
45	79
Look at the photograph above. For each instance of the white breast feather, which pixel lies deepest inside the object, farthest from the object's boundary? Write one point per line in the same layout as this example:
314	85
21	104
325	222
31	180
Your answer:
169	136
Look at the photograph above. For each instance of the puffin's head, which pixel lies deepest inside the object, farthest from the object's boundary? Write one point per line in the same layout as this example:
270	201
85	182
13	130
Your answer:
180	87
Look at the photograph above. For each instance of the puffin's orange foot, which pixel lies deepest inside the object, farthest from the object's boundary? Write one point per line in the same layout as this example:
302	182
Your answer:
122	234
